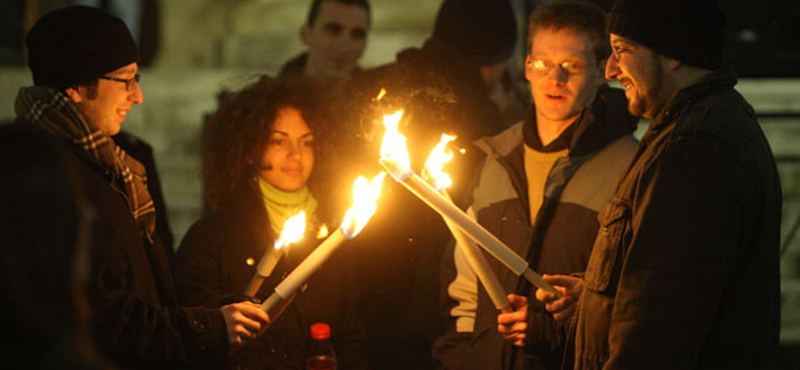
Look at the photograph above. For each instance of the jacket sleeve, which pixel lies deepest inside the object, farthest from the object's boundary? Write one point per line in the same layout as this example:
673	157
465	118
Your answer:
682	249
132	322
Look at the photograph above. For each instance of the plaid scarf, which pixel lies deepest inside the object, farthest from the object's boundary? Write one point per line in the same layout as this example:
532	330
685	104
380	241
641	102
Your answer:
54	112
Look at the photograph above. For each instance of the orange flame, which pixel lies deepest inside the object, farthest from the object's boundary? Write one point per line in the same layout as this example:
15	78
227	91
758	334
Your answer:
293	230
381	94
393	148
322	233
434	165
365	196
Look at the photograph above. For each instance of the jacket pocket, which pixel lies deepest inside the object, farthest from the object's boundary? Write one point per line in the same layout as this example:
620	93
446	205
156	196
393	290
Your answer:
603	260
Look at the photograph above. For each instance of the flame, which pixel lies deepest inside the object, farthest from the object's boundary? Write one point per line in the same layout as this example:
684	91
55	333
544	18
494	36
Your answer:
462	151
435	163
293	230
365	196
393	147
322	233
381	94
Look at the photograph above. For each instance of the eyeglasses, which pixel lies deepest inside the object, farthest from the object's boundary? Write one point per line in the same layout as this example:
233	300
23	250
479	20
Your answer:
128	81
572	68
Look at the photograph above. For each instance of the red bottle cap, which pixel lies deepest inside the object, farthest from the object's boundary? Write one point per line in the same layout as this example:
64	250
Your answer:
320	330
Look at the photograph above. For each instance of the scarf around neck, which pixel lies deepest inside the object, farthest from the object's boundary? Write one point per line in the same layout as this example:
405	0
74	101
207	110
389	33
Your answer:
55	113
282	205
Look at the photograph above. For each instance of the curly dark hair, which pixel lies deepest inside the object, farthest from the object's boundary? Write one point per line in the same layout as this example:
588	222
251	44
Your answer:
235	138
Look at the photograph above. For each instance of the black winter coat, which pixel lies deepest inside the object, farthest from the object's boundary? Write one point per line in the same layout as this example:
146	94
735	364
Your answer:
212	262
136	320
684	271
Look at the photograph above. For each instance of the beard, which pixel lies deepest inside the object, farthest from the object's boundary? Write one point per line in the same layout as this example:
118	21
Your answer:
644	105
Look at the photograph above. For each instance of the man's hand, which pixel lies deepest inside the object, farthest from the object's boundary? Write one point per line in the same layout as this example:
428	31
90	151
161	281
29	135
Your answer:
245	321
513	325
561	308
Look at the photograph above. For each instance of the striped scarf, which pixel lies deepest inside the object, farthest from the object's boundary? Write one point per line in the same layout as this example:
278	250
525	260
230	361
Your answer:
54	112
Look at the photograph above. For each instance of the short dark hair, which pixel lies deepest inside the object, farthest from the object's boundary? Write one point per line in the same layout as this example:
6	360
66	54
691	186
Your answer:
581	16
313	12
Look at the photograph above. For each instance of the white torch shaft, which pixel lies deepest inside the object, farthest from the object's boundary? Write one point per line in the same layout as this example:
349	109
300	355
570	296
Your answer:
264	268
303	271
478	263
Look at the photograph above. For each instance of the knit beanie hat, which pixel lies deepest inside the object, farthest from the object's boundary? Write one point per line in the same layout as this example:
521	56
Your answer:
76	45
485	29
690	31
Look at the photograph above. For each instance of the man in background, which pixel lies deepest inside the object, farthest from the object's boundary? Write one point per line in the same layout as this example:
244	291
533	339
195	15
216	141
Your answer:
335	33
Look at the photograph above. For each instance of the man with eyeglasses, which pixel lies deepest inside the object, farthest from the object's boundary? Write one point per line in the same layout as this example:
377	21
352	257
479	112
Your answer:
84	66
540	189
684	273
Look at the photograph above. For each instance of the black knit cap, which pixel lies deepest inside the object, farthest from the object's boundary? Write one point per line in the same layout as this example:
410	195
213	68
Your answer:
77	44
690	31
485	29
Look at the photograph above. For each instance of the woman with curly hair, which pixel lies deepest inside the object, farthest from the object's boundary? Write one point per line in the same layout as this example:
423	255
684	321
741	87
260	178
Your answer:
265	155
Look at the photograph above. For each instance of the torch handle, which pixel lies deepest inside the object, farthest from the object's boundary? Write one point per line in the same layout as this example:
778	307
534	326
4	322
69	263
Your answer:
539	282
264	268
303	271
477	262
255	283
271	302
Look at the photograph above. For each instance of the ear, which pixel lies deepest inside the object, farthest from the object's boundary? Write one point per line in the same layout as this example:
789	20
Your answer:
528	68
304	34
74	94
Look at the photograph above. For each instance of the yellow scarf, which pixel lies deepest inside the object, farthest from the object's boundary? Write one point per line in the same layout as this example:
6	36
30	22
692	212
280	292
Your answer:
282	205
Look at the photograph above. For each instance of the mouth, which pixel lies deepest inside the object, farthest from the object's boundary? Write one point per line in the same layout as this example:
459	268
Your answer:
555	96
122	112
292	171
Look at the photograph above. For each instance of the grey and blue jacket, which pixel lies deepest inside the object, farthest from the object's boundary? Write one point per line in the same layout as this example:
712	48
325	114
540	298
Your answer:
558	241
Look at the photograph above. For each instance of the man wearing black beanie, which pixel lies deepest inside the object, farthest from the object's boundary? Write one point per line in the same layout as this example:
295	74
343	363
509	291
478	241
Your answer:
684	272
84	65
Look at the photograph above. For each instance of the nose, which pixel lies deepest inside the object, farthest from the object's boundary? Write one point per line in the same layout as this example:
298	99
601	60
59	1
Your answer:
559	74
136	95
612	67
296	152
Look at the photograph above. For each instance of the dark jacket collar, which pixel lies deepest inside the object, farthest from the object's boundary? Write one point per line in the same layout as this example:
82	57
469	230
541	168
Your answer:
718	80
296	68
605	121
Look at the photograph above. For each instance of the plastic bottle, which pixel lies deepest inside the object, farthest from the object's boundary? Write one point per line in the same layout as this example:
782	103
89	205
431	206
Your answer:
322	356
